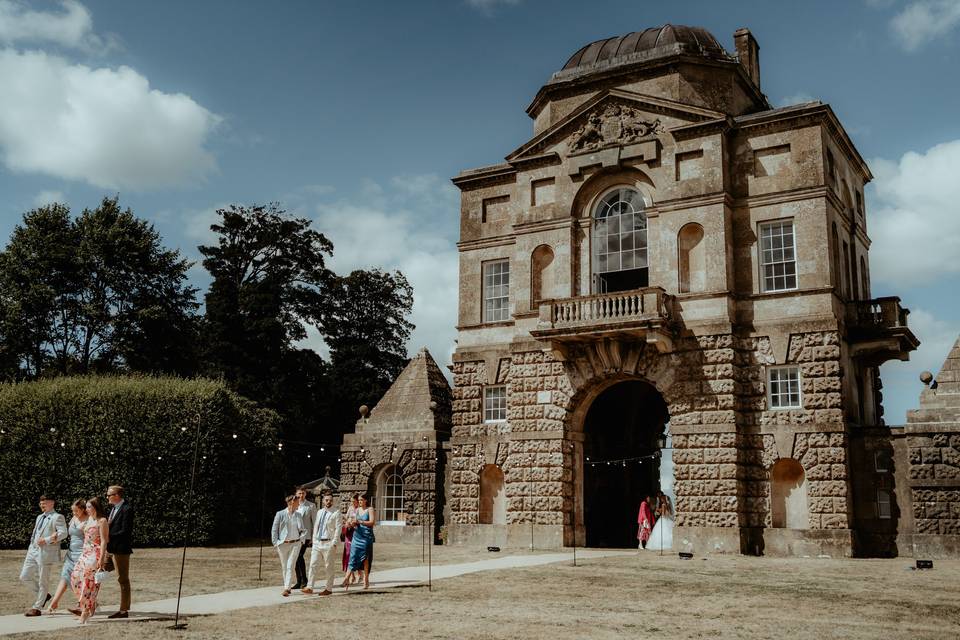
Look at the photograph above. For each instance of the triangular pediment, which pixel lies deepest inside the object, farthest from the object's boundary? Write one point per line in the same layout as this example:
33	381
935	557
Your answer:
610	118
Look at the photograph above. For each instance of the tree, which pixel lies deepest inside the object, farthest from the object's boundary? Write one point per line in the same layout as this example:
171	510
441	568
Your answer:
99	293
367	330
269	280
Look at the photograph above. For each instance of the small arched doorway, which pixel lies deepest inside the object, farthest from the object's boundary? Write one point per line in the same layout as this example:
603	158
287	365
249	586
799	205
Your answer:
788	495
493	499
620	461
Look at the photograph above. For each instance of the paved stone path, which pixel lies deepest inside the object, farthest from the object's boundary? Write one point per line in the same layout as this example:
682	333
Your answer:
231	600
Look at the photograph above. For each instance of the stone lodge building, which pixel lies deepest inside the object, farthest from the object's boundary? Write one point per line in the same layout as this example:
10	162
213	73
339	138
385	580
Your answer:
668	260
668	249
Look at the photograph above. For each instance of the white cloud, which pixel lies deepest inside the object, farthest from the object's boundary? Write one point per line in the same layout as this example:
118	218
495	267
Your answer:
396	228
797	98
914	224
925	20
48	197
71	28
103	126
901	380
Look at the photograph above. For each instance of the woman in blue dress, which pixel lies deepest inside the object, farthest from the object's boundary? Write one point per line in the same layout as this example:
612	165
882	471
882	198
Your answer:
75	530
361	548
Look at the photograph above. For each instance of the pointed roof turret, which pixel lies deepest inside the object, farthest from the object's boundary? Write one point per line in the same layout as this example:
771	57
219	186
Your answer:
418	399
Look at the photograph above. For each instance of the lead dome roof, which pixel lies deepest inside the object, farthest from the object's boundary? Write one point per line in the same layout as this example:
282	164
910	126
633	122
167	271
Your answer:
668	38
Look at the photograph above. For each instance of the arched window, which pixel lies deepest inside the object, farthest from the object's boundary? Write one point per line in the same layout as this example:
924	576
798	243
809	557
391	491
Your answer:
864	284
620	242
847	283
788	495
390	496
837	269
692	259
493	499
542	278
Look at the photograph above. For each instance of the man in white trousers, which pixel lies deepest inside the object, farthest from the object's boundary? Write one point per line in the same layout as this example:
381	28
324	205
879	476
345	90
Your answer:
287	534
326	545
43	554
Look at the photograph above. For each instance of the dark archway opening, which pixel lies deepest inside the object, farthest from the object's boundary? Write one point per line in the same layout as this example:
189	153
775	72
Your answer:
624	422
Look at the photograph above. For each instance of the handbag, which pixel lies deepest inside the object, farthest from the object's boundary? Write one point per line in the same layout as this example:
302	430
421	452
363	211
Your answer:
108	565
100	576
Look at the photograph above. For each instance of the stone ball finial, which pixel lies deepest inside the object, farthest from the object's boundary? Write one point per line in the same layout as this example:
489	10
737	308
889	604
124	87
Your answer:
364	411
926	378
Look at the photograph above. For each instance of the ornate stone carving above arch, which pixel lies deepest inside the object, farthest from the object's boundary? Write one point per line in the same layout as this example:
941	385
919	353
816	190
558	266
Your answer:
595	366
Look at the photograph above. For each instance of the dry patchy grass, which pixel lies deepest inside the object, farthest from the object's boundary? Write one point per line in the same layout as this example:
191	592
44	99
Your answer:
720	597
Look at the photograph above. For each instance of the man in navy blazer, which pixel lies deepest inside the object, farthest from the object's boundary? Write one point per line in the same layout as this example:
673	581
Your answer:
120	545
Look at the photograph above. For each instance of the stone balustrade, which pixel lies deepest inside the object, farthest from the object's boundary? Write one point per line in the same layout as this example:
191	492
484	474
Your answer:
648	304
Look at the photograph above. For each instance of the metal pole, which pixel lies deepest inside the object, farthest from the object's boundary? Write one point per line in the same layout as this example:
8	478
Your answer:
423	535
573	469
430	555
263	500
186	525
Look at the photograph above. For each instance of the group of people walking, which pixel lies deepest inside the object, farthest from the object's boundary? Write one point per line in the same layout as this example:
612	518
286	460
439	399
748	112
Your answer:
301	526
655	523
100	541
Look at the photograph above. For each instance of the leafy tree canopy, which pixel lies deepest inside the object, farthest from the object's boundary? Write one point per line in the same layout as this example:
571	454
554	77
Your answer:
95	293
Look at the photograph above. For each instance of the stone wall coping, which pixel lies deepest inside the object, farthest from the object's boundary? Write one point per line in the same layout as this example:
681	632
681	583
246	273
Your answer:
935	482
932	427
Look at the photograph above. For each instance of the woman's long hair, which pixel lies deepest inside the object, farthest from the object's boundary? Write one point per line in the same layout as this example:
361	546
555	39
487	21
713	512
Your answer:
97	507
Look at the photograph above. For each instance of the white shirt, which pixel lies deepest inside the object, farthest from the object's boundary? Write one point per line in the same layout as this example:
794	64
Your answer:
114	511
328	526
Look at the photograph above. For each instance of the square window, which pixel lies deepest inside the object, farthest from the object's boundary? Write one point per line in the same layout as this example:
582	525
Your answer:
881	461
496	291
778	265
495	404
783	387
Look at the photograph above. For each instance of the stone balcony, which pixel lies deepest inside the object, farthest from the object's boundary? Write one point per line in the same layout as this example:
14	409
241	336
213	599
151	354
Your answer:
877	330
647	314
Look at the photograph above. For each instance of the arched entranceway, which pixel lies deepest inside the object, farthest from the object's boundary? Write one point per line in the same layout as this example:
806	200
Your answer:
620	460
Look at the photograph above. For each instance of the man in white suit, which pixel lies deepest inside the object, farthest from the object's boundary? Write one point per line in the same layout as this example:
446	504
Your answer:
287	535
43	554
326	545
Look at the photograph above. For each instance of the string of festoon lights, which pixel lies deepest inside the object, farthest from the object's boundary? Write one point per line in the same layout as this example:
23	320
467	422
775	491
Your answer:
621	462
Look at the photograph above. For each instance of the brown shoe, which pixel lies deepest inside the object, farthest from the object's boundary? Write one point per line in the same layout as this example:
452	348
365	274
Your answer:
118	614
285	593
75	612
306	591
32	613
325	592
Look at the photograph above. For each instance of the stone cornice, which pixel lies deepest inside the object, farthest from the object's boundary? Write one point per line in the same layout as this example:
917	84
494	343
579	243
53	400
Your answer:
817	112
477	177
678	204
486	243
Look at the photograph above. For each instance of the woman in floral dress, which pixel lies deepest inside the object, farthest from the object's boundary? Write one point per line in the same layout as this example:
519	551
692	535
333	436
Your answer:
96	533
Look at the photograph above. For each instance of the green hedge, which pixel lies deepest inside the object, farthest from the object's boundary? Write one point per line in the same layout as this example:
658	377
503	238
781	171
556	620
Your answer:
73	436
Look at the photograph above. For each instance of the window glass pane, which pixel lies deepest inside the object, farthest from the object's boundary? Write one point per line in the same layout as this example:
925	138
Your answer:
778	256
783	387
495	404
496	291
619	233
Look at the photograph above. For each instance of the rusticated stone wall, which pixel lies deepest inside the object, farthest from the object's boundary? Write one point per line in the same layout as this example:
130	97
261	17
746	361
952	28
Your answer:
725	437
935	457
419	467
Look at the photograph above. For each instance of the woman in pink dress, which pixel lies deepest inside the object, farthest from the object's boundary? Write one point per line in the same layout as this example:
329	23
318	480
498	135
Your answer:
645	521
96	533
349	524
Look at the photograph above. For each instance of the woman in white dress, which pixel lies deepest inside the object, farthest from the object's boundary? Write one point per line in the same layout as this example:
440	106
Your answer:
661	538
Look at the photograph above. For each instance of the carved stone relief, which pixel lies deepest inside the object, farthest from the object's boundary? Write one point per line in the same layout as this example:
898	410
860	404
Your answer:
610	125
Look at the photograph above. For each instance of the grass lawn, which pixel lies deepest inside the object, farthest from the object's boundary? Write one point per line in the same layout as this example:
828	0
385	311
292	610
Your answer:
636	597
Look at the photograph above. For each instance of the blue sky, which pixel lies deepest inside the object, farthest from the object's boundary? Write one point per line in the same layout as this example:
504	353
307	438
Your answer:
356	114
